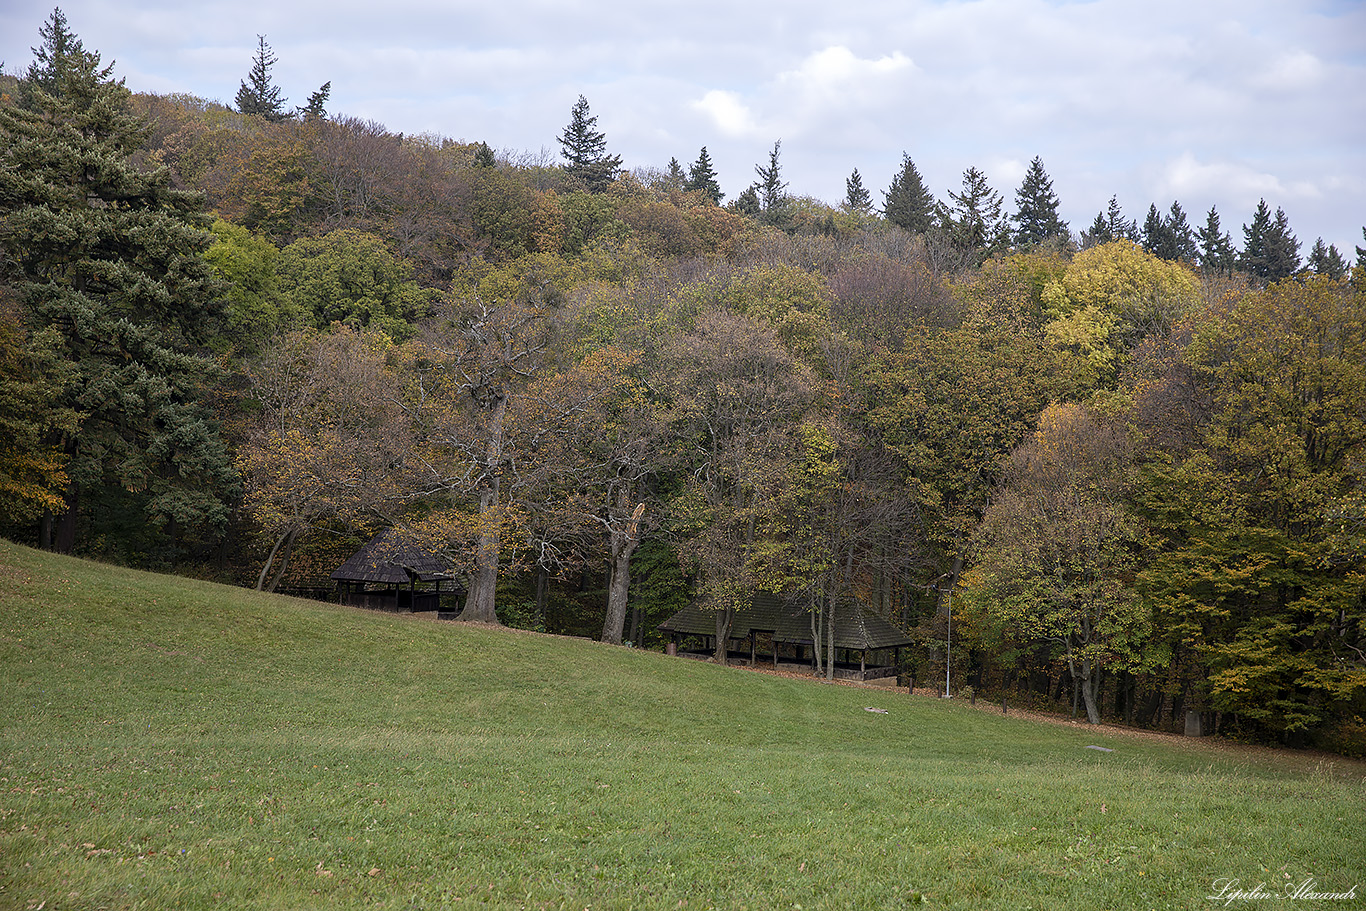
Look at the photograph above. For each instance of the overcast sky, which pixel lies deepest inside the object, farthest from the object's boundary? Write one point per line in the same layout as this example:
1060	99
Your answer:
1210	102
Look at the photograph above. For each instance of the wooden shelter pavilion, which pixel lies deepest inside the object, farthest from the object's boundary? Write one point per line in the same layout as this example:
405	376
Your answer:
393	573
787	628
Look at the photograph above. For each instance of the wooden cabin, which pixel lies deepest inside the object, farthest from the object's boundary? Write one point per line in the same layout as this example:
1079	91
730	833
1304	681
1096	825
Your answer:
394	574
780	630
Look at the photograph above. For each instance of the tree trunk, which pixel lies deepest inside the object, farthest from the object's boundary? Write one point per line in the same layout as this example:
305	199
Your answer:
542	583
724	619
637	618
624	541
830	640
65	541
817	616
479	606
270	560
284	561
1090	691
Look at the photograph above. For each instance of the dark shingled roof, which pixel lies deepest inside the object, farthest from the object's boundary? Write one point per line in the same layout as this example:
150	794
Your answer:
390	559
856	626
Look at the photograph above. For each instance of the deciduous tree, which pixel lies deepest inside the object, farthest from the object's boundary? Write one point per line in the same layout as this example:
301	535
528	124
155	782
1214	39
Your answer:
351	277
327	445
1058	545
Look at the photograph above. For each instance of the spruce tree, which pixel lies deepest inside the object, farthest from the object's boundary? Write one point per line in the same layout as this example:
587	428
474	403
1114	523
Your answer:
585	150
974	221
1120	228
747	203
1110	225
58	42
1036	217
1155	234
771	187
1216	246
1327	260
1270	250
1180	237
317	103
702	178
676	176
258	95
907	203
1283	249
856	198
1097	234
110	257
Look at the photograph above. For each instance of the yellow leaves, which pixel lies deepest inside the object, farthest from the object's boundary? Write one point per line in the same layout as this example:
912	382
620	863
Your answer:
1121	277
31	482
1086	331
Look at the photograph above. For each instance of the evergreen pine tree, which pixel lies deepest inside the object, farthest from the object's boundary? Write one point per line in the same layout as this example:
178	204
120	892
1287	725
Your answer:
48	58
702	177
1111	225
747	203
975	222
1253	259
1097	234
257	94
586	149
1270	250
907	203
1359	271
1120	228
676	176
110	257
317	103
1155	239
1327	260
1283	249
1216	246
1036	217
483	156
856	198
1179	236
771	187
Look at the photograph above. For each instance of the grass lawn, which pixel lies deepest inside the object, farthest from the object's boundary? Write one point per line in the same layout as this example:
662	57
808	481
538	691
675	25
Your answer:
166	743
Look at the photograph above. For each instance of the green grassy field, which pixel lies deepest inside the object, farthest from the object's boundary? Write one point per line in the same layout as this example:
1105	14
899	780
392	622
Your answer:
166	743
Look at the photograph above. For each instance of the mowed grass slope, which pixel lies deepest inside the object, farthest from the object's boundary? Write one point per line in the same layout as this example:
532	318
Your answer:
166	743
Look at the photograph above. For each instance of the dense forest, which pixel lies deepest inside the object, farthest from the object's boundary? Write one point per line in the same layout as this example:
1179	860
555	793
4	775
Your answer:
237	341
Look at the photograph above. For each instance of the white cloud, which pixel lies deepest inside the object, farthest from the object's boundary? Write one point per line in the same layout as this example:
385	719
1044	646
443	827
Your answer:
1294	71
1188	177
728	113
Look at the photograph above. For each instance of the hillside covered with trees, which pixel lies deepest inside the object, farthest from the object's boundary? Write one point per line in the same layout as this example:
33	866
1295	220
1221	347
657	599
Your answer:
236	341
